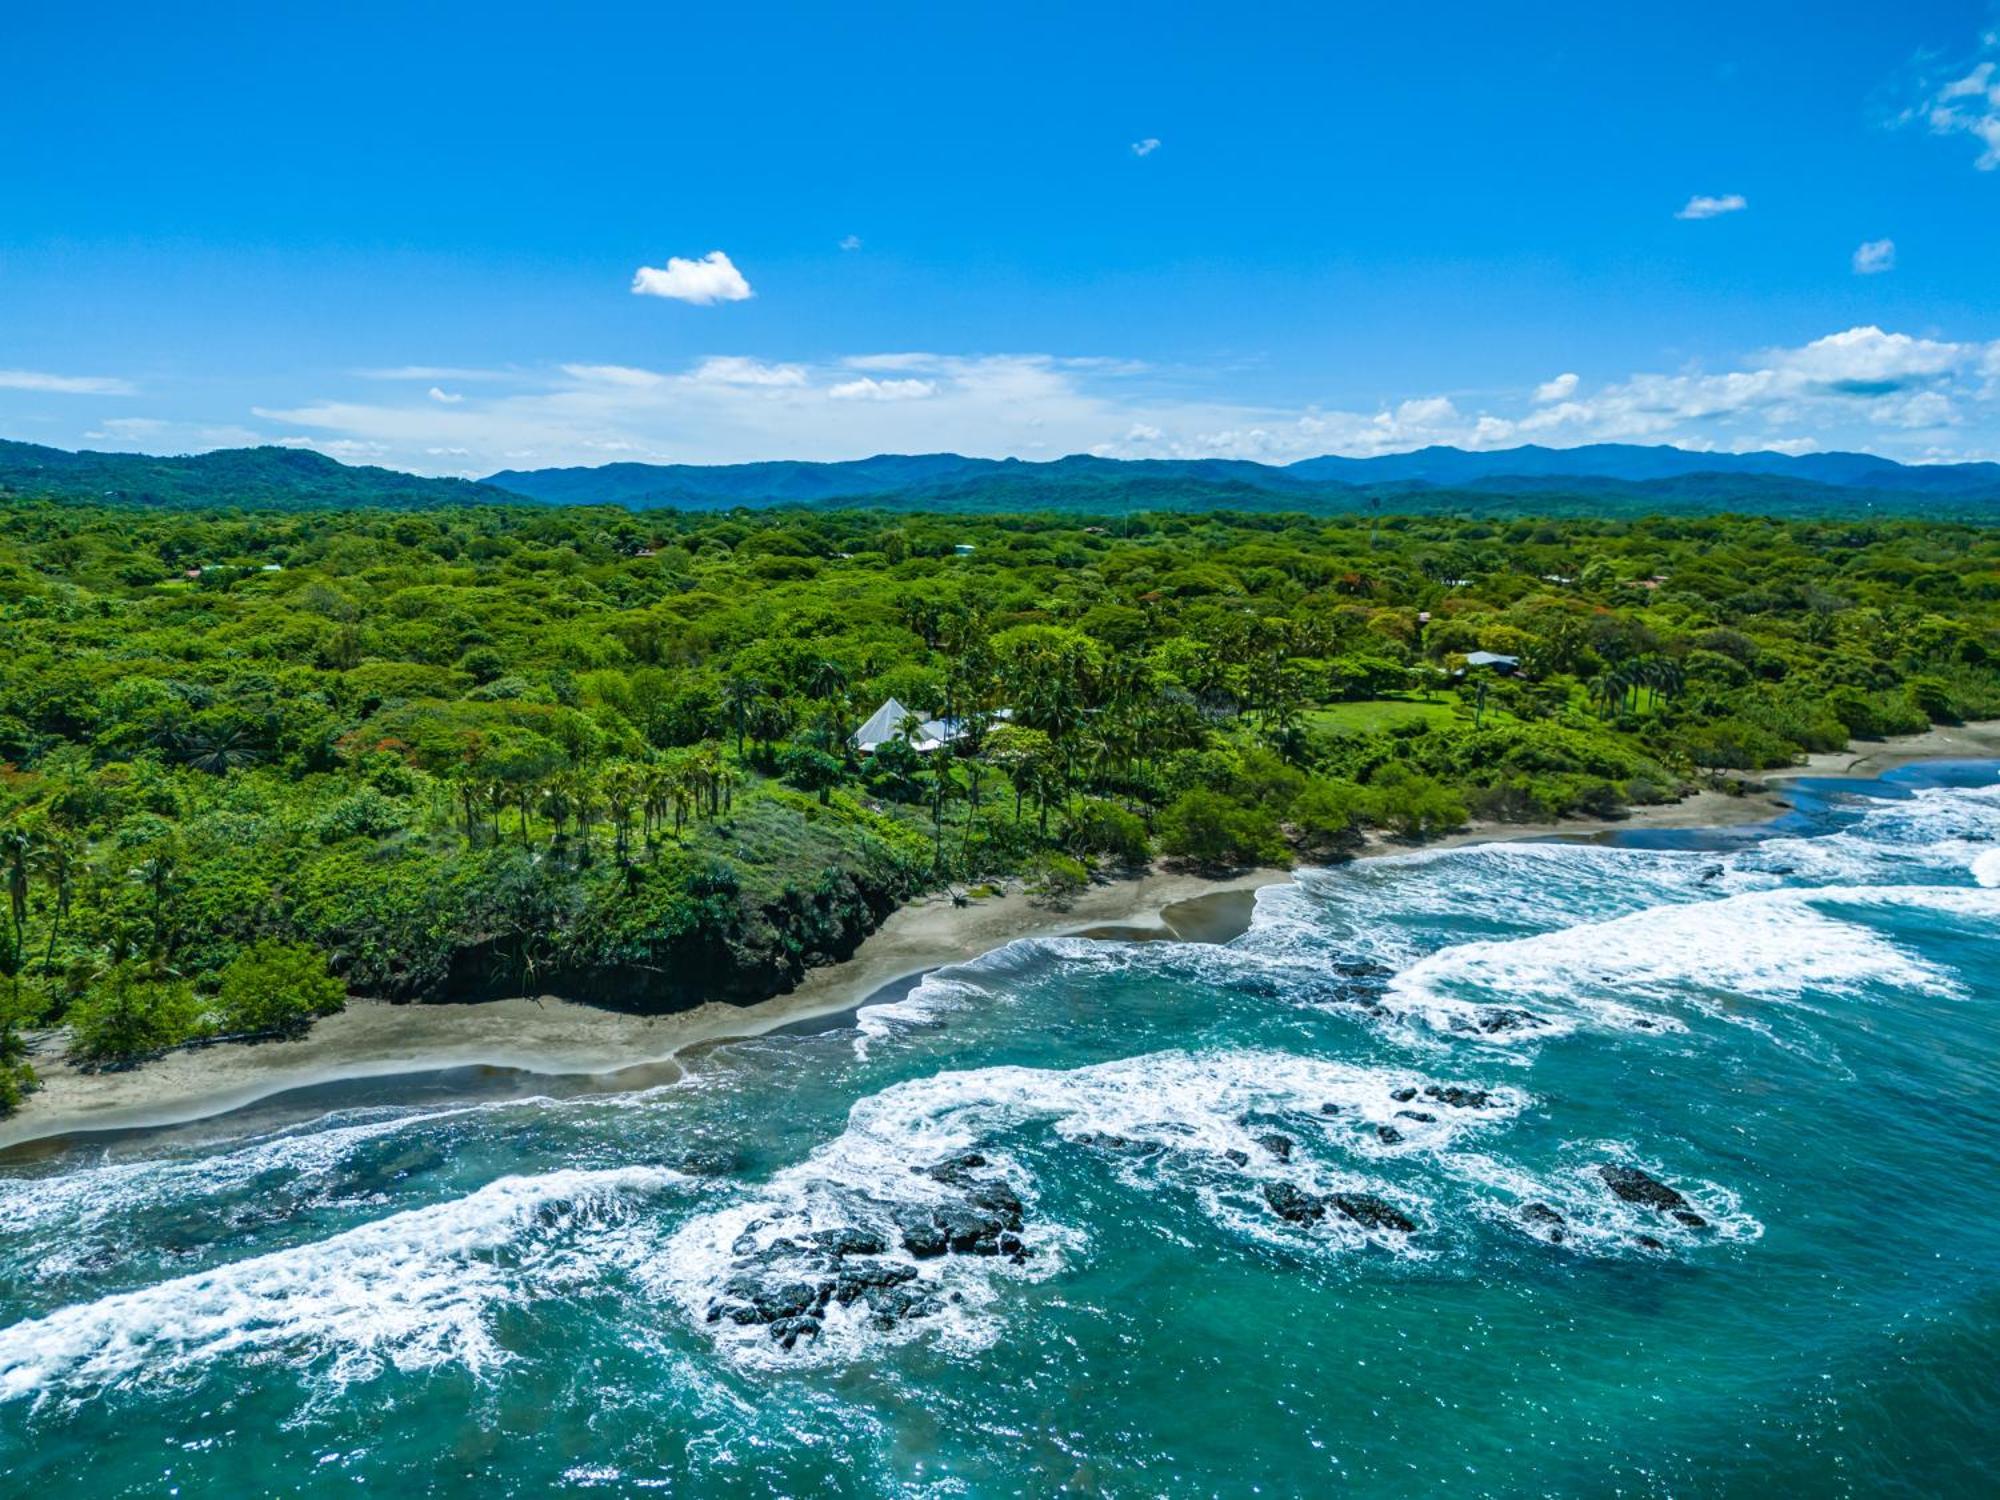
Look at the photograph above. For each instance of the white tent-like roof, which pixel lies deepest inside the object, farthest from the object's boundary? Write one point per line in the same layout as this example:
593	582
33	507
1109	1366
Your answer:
881	727
886	724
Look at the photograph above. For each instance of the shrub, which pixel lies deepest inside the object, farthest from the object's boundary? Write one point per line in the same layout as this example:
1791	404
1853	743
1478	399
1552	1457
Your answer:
1056	877
1326	815
129	1014
1735	745
281	987
1412	803
1106	828
1212	828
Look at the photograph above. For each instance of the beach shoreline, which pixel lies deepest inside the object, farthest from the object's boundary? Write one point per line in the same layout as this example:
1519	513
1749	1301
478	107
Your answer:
610	1050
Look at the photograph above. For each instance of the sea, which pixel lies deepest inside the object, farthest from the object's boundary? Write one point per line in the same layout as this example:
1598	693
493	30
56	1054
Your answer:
1656	1164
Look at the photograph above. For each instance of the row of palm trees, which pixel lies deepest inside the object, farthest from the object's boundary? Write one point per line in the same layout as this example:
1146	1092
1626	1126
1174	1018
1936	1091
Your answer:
670	790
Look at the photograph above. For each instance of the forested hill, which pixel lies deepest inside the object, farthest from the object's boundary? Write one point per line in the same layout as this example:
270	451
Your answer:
274	478
1600	477
1601	480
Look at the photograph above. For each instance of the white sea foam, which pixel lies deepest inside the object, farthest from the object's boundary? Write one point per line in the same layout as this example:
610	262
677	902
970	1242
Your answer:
83	1196
1773	945
1595	1220
413	1289
1986	868
1190	1124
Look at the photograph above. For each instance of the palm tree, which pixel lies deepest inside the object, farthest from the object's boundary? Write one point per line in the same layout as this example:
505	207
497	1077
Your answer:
55	858
738	694
217	750
17	853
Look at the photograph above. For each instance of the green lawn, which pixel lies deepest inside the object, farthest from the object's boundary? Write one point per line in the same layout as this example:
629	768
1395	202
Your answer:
1377	714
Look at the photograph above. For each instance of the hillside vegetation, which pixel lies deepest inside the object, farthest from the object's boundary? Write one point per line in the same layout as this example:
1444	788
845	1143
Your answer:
488	750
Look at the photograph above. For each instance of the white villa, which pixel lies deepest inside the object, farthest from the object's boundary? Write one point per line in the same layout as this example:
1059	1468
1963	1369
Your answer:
886	724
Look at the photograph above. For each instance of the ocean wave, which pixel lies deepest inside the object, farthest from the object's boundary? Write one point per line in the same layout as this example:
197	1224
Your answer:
413	1289
1773	945
1232	1132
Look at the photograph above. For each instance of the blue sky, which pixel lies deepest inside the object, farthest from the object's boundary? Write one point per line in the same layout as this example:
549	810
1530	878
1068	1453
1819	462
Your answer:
412	234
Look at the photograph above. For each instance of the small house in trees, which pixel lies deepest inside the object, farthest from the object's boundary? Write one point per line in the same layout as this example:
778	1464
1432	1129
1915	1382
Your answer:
886	724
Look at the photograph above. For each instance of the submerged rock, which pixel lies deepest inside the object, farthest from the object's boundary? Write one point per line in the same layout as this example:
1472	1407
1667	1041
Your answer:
1416	1114
1240	1158
1294	1203
849	1241
1547	1220
1388	1135
1457	1097
1278	1145
1635	1186
1371	1212
1402	1096
1123	1145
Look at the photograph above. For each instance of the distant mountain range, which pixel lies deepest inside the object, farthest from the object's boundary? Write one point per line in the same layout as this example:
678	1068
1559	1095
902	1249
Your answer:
949	481
287	478
1612	477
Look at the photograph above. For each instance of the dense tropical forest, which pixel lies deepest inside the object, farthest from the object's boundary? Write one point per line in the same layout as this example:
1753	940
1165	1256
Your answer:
250	762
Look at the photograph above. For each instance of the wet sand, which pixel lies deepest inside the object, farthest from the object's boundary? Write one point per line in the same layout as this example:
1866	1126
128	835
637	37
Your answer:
588	1048
546	1044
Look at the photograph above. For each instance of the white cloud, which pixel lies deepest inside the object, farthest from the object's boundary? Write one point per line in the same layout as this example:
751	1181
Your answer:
447	398
1864	387
1146	147
869	389
1701	206
66	385
893	361
1965	100
732	369
1874	257
431	373
703	282
625	375
850	242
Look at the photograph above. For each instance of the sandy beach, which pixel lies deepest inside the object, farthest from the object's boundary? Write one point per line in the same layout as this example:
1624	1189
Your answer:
552	1037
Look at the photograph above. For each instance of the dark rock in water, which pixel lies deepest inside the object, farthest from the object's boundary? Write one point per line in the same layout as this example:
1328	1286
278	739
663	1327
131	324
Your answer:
956	1170
1279	1146
849	1241
892	1304
1635	1186
869	1277
1294	1203
1329	1109
1104	1141
1240	1158
1647	1242
788	1331
1546	1219
1690	1218
1403	1096
758	1301
970	1230
1371	1212
1457	1097
1713	872
704	1162
1388	1135
1000	1200
922	1238
1416	1114
1502	1019
1362	969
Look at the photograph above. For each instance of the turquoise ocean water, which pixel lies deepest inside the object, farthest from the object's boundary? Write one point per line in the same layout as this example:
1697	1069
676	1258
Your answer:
1211	1154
